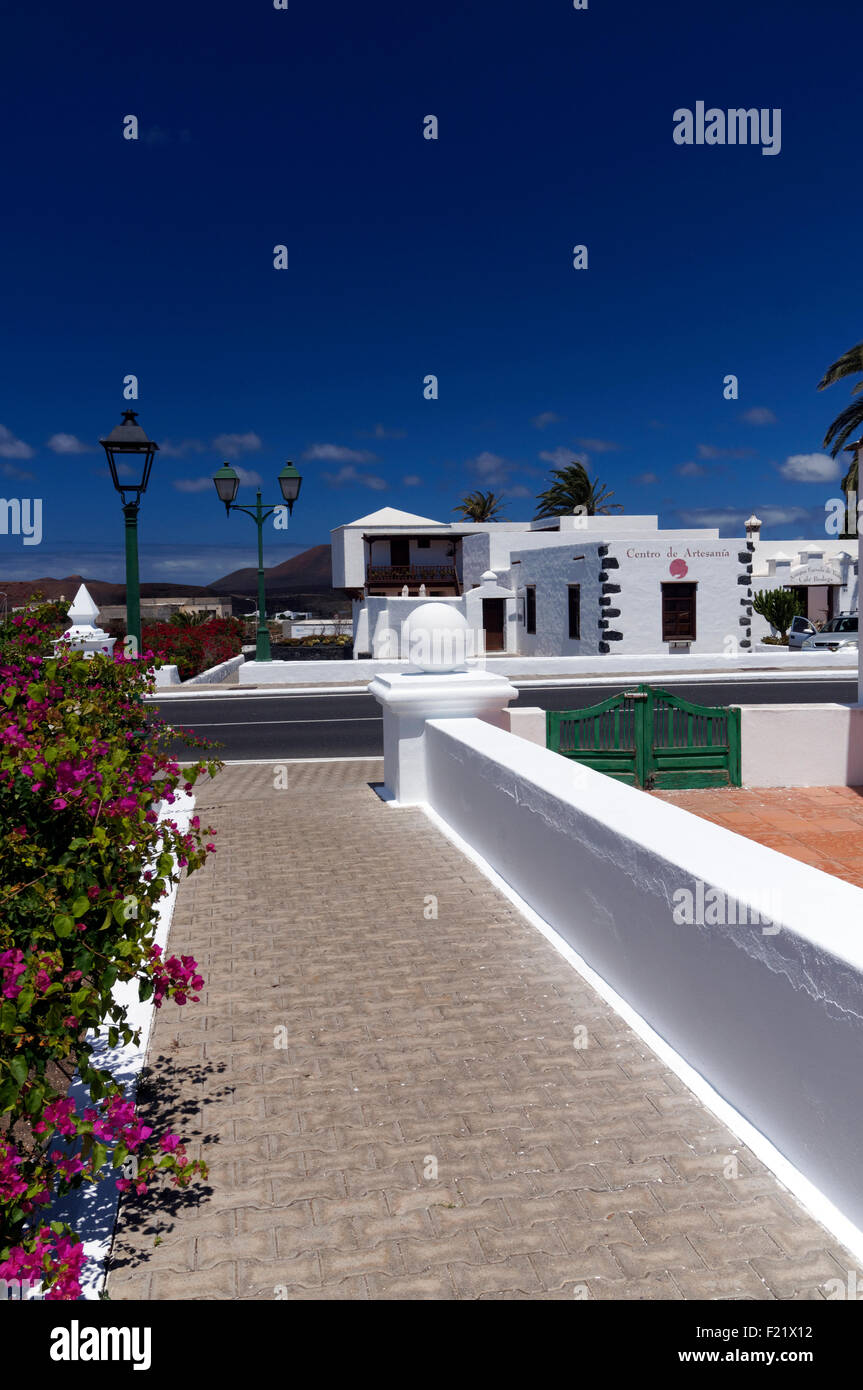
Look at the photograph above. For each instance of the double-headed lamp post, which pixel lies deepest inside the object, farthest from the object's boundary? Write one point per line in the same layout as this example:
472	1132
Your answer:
227	482
130	458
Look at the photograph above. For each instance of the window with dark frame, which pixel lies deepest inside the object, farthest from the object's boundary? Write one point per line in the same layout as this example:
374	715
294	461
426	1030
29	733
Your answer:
530	608
575	611
678	612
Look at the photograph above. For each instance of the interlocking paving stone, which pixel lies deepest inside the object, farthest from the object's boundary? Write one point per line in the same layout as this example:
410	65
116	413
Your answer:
430	1131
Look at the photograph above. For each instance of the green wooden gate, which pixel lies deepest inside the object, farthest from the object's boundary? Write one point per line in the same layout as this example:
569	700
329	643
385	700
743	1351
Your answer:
651	738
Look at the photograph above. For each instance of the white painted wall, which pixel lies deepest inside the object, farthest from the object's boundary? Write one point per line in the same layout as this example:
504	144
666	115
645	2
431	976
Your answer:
802	745
216	674
772	1020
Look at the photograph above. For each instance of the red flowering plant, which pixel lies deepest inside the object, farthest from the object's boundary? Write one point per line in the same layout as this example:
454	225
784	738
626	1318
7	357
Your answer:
84	861
194	649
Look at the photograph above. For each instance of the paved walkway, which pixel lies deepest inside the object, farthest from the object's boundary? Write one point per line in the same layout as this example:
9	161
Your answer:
822	826
430	1131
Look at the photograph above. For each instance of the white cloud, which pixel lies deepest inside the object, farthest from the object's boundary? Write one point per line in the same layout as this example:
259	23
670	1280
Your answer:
237	443
519	491
412	480
710	451
599	446
10	471
759	415
336	453
12	448
810	468
546	418
67	444
348	474
734	516
645	479
380	432
493	469
562	458
179	451
248	478
192	484
691	470
783	516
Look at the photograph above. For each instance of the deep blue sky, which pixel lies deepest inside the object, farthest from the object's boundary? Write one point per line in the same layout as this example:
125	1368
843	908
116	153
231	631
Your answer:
407	257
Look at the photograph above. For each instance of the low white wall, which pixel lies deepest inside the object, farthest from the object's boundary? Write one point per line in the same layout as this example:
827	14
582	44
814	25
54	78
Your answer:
219	673
802	745
525	722
615	667
166	675
771	1017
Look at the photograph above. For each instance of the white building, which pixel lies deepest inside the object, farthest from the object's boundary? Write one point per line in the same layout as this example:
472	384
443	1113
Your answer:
576	585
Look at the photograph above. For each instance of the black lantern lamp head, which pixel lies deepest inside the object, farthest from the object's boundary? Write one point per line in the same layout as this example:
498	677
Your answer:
130	457
290	482
227	482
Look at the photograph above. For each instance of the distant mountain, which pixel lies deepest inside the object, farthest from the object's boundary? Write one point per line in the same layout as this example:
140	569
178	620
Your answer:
308	573
19	591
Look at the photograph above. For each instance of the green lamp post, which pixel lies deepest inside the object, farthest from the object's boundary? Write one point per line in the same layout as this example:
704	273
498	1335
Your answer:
227	483
130	458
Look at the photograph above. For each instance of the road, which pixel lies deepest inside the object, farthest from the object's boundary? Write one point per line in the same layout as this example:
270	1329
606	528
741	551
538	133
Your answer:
287	725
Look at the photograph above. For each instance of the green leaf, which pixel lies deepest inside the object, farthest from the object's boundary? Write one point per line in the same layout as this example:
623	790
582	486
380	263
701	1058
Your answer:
63	925
100	1153
19	1069
35	1100
80	905
8	1016
8	1094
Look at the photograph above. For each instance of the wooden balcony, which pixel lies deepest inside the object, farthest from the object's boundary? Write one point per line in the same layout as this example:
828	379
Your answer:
396	576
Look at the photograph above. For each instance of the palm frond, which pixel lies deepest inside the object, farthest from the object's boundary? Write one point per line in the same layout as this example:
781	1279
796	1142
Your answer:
848	422
847	365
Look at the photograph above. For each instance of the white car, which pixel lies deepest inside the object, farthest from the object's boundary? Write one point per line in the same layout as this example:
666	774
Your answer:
800	629
839	634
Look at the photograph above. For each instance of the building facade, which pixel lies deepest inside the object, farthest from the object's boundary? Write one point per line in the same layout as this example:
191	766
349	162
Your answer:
577	585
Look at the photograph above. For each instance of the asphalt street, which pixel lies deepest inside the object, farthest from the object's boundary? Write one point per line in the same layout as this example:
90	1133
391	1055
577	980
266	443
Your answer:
287	724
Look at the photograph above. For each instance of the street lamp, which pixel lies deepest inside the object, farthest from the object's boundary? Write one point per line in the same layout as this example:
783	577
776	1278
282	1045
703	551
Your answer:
130	458
227	482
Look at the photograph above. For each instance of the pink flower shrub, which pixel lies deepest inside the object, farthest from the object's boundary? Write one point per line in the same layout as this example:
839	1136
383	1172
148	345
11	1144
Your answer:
83	772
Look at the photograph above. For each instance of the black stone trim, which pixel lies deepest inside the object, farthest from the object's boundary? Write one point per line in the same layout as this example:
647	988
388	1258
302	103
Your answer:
611	636
604	649
611	588
612	564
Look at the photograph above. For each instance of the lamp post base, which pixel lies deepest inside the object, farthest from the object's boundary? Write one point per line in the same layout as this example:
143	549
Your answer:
262	645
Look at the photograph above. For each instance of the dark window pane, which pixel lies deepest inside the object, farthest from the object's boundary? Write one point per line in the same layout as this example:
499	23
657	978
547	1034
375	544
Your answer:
575	611
531	609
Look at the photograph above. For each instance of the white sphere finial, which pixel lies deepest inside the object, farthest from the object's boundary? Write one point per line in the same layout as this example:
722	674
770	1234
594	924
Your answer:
438	637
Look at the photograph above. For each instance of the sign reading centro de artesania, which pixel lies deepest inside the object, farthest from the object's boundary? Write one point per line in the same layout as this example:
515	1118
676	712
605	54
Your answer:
682	552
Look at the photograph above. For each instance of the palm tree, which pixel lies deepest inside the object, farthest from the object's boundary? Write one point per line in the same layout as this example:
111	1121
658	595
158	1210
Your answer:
851	418
575	490
480	506
184	617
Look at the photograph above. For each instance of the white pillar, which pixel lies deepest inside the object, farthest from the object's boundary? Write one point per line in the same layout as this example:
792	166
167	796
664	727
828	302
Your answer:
438	687
82	635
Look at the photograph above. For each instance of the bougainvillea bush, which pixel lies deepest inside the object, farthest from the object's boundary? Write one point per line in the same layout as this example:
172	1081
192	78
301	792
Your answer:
84	862
194	649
